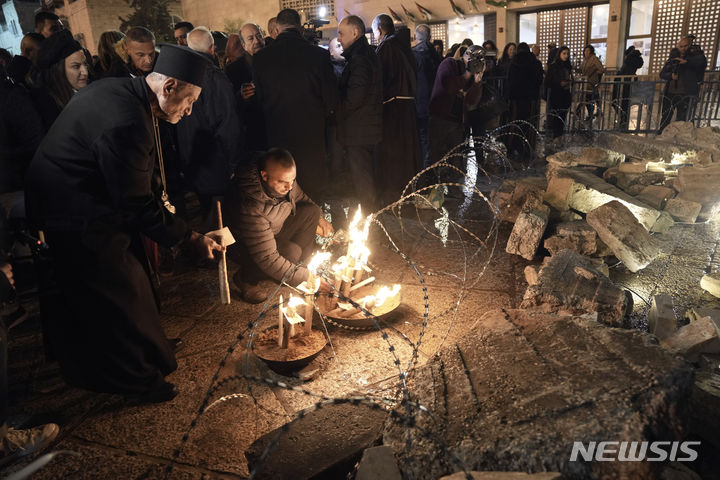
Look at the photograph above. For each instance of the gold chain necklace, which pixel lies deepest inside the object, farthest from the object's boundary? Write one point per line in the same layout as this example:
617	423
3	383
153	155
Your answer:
158	149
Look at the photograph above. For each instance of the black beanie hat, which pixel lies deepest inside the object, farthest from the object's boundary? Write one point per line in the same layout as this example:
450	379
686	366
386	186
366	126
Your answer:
181	63
57	47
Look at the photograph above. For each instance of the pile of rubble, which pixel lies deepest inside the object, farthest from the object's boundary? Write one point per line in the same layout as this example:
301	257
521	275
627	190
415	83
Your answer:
595	204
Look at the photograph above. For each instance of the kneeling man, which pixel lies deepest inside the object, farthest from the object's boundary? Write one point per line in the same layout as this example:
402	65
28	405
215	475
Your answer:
275	223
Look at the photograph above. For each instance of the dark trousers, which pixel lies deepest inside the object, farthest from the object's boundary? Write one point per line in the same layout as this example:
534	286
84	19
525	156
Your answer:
556	121
444	136
360	160
676	102
295	241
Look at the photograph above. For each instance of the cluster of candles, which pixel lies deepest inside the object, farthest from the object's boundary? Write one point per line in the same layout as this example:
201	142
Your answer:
348	277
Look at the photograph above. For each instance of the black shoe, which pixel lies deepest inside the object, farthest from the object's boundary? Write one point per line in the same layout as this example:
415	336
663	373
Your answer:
165	392
176	344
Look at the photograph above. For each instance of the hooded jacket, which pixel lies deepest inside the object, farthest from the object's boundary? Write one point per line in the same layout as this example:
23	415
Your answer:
255	217
525	77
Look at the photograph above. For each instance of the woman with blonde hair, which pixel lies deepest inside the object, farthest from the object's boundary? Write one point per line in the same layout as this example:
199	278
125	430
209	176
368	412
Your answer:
106	50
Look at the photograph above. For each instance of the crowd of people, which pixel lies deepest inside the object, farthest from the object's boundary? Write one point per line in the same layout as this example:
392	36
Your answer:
99	152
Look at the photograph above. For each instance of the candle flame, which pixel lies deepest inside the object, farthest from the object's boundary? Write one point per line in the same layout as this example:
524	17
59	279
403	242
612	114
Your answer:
384	293
294	302
358	233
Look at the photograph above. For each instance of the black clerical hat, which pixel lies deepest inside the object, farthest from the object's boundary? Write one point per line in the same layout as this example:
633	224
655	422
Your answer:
181	63
57	47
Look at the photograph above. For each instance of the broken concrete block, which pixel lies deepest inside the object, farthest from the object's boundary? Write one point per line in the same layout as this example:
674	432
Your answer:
565	158
610	175
695	314
578	236
703	158
707	212
620	230
693	339
681	132
528	230
600	157
711	283
661	317
683	210
699	184
584	192
511	196
635	168
628	181
378	463
531	274
569	282
663	223
656	196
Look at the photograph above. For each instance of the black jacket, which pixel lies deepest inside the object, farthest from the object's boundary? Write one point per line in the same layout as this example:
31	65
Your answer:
360	110
631	63
250	110
209	140
558	95
525	76
427	60
21	131
297	89
255	218
689	74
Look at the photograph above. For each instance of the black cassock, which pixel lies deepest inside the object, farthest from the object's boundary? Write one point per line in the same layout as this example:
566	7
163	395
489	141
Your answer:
399	156
92	188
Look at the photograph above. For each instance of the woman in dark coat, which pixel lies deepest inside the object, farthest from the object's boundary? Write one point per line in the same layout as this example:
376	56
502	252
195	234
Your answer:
525	77
559	85
631	63
63	70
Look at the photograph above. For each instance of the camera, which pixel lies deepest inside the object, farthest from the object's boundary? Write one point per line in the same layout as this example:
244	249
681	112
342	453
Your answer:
311	32
477	60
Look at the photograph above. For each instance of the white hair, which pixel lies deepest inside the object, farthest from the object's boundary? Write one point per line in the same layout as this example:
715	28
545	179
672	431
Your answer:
249	24
200	39
422	33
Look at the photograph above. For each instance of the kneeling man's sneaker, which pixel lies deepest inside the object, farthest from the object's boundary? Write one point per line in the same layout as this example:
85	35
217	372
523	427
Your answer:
19	443
252	293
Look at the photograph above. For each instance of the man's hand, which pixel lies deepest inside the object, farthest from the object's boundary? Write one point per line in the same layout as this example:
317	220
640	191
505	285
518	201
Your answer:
478	76
6	268
324	228
680	60
205	245
674	76
247	90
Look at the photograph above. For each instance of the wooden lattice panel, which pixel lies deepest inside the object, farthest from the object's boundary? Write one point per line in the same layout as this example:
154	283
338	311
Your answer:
438	31
575	31
309	7
704	23
548	26
667	30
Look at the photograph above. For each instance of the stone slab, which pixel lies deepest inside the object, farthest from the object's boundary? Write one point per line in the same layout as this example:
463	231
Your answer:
589	382
661	317
529	229
705	402
578	236
570	283
699	184
378	463
694	339
711	283
330	439
584	192
683	210
663	223
656	196
632	167
620	230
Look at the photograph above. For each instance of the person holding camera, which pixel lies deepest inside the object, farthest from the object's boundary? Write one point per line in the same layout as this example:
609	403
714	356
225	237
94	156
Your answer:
683	71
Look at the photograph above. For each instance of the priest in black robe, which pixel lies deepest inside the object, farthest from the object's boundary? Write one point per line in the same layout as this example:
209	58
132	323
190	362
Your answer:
93	189
399	157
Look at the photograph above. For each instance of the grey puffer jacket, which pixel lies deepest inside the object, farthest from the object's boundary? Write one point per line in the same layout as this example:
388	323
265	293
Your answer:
255	218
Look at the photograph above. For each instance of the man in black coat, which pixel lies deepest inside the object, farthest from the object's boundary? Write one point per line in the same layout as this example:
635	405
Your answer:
360	109
683	71
209	141
296	87
427	60
399	151
92	188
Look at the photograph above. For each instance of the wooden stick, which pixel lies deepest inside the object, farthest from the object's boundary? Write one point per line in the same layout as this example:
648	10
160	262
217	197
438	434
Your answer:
309	311
222	267
362	284
281	325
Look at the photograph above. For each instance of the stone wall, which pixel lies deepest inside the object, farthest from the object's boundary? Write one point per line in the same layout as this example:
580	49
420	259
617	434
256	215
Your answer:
217	14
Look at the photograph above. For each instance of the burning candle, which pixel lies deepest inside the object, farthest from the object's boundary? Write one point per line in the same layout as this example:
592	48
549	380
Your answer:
281	321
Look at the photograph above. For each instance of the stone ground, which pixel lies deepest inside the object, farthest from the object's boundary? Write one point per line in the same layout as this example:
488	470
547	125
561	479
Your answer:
464	280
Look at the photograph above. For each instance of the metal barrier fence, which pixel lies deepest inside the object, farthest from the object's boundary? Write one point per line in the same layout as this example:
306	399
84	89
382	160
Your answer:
638	104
